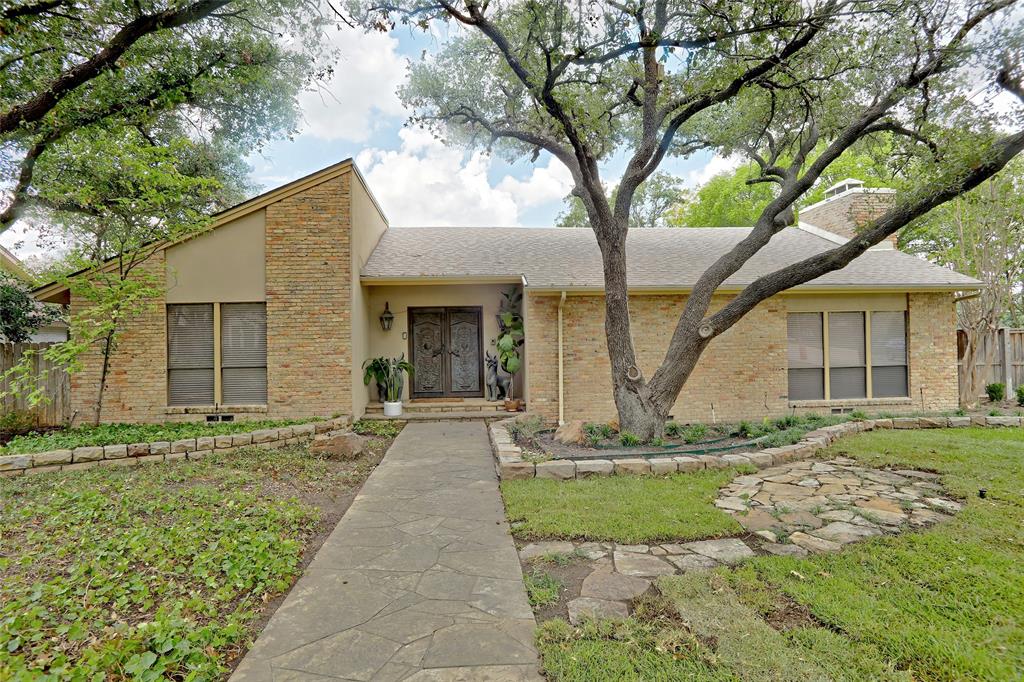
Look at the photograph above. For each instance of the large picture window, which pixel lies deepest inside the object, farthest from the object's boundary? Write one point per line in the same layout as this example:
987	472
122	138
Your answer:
217	354
847	355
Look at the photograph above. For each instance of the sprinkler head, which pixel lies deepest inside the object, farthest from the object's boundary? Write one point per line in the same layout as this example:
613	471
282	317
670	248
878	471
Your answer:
982	493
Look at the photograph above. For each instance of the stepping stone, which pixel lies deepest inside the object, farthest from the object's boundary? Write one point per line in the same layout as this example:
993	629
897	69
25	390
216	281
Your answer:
539	549
881	505
838	515
639	549
732	503
784	550
945	505
672	548
608	585
587	607
926	517
767	535
801	518
693	562
728	551
843	533
813	544
757	520
591	551
886	518
925	475
644	565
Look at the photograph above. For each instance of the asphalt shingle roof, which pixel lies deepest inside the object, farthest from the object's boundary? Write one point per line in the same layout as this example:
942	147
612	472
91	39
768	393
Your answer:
568	258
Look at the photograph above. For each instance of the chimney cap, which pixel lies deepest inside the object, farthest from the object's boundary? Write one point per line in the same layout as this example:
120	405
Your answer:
843	186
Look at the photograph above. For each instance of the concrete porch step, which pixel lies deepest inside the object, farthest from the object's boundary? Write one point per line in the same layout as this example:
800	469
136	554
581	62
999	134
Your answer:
456	416
442	406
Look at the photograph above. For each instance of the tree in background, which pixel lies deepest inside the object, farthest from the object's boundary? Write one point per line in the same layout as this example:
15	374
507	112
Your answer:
728	200
980	234
791	86
656	204
21	315
223	74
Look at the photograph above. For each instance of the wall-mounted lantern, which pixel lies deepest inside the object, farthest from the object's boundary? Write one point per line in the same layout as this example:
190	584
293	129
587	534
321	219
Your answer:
386	318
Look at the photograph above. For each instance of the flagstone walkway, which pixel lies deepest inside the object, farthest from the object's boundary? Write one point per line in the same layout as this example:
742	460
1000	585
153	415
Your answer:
419	581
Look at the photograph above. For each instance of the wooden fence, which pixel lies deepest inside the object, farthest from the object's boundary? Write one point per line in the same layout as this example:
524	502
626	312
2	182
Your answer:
1000	359
54	380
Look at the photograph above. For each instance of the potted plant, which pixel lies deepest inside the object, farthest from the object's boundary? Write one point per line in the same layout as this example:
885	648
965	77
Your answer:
388	372
510	339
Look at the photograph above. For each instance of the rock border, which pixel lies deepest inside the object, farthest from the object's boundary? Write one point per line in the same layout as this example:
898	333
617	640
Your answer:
134	454
511	465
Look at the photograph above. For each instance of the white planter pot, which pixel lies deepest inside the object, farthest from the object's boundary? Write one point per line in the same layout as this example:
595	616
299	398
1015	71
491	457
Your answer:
393	409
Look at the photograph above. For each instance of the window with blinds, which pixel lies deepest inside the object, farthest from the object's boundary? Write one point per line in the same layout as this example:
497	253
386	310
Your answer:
243	356
848	377
806	357
889	355
190	369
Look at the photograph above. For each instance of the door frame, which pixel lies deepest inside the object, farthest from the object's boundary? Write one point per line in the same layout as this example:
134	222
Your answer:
446	364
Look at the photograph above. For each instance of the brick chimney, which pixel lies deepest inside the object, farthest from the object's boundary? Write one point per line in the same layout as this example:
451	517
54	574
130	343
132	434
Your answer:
847	207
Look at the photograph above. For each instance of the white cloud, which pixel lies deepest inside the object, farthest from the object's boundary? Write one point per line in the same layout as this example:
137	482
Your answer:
360	93
426	183
717	164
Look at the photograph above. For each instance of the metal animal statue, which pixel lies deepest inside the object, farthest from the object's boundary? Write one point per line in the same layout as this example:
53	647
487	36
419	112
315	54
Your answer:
498	379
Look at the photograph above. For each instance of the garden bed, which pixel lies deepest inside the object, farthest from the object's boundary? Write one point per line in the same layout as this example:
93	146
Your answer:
161	572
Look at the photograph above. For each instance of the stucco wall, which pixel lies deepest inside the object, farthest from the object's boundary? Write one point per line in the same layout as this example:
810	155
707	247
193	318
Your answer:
368	224
225	265
401	297
742	374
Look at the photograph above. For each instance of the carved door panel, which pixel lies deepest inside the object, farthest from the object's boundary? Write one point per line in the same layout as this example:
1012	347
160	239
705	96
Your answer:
465	364
446	350
427	351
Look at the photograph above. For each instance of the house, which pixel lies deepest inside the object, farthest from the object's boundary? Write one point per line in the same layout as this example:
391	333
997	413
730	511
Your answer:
273	310
54	332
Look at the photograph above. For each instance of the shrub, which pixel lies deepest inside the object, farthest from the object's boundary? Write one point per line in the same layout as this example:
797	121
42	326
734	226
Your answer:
525	430
17	421
995	392
628	439
673	429
657	441
858	414
695	433
1020	396
598	432
787	422
374	427
995	413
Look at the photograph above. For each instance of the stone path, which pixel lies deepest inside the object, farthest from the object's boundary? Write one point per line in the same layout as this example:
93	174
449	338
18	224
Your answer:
419	581
793	509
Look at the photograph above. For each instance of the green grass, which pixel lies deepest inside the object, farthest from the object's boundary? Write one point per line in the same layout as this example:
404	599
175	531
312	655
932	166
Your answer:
154	572
627	509
940	604
115	434
542	589
378	427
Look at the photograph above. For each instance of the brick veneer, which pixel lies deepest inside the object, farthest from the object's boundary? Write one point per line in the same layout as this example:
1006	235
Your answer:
743	373
847	213
309	316
137	379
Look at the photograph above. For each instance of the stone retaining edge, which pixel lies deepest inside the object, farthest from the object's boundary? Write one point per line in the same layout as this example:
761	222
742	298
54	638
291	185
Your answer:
510	464
134	454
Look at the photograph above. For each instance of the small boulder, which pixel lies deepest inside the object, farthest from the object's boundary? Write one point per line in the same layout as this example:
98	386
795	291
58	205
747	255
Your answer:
571	433
345	446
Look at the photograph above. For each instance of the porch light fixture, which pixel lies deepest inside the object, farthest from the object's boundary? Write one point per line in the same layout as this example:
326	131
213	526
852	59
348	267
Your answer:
386	318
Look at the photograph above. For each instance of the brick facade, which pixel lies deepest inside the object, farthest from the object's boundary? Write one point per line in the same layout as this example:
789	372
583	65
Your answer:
137	378
742	374
847	213
309	301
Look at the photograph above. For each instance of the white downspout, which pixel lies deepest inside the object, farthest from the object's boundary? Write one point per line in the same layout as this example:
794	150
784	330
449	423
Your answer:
561	381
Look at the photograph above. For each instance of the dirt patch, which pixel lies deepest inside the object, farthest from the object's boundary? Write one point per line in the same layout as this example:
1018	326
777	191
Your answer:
606	449
571	576
787	614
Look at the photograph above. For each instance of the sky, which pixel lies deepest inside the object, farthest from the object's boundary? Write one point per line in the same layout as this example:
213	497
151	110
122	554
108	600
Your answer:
417	180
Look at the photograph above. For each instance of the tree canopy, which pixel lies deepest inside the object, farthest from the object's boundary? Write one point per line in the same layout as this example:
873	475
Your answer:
656	204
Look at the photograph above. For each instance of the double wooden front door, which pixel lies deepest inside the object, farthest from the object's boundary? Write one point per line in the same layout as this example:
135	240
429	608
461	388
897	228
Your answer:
446	350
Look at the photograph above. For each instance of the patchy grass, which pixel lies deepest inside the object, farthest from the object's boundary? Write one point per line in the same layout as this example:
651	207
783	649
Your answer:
542	589
116	434
160	571
626	509
940	604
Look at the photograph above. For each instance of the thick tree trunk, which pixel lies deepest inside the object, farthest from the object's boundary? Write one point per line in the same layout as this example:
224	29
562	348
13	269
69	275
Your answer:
639	413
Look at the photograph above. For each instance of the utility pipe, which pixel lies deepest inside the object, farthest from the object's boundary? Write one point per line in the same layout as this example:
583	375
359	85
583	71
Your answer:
561	380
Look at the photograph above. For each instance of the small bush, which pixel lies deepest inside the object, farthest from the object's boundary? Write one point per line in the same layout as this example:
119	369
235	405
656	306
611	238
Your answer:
525	430
381	429
787	422
17	421
657	442
745	429
673	429
598	432
1020	396
960	412
695	433
628	439
858	415
995	392
995	413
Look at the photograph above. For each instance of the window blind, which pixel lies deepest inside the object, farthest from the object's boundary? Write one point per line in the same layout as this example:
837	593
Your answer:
889	355
243	338
806	356
190	354
847	356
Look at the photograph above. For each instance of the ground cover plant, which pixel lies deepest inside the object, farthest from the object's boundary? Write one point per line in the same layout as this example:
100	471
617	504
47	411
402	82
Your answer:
159	571
938	604
116	434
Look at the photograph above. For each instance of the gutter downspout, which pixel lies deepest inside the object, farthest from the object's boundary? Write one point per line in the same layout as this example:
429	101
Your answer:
561	381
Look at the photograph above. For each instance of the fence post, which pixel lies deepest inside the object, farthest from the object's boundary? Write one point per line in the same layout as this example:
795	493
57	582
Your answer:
1007	361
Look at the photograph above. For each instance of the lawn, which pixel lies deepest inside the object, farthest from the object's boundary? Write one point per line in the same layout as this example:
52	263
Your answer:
943	604
627	509
160	571
116	434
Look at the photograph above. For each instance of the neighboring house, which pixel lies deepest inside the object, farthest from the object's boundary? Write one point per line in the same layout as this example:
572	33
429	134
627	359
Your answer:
274	310
51	333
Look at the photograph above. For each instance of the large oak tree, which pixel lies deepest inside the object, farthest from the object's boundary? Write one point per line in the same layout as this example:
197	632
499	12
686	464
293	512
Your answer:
792	85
